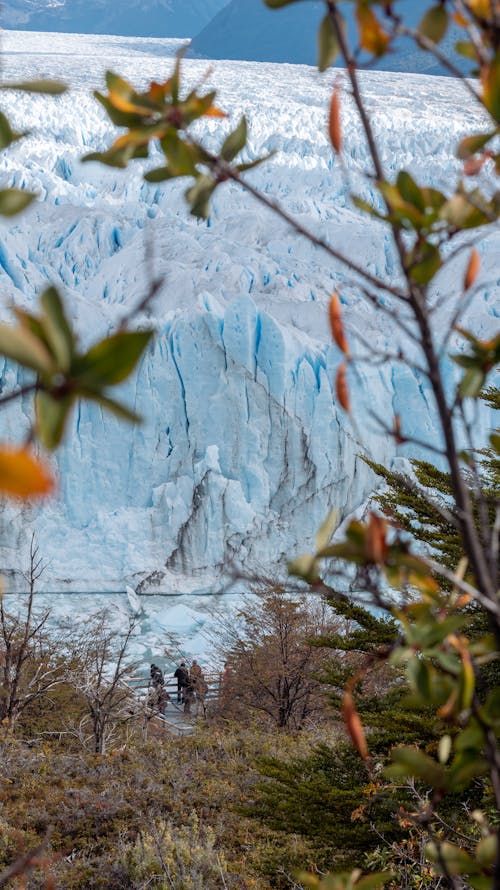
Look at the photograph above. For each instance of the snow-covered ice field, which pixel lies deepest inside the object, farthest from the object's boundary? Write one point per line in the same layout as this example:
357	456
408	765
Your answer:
243	450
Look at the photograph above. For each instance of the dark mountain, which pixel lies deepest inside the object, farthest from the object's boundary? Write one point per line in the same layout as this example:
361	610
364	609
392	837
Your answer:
140	18
246	29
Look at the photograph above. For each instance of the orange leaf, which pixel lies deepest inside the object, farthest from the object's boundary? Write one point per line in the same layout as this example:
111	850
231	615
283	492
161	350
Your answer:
463	601
472	270
460	19
213	111
398	436
473	166
372	36
354	726
334	124
376	539
448	709
158	91
341	388
336	325
22	475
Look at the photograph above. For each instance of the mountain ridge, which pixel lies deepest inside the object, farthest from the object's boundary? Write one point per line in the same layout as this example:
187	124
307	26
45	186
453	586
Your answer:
158	18
248	30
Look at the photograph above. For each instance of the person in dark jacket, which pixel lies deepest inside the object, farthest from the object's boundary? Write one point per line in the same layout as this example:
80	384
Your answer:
156	675
182	677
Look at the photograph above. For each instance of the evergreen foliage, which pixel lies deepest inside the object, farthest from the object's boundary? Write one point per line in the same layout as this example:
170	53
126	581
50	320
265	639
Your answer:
323	798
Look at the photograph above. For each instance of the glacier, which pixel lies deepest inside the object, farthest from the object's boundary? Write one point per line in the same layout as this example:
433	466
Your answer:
243	449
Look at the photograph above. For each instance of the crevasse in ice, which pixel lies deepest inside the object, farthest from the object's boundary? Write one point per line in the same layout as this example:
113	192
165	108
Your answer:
243	448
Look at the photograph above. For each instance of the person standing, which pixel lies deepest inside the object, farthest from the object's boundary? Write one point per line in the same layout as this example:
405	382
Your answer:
182	677
195	671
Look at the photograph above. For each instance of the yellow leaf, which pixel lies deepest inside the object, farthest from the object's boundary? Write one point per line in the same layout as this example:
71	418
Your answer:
122	104
481	8
22	475
372	36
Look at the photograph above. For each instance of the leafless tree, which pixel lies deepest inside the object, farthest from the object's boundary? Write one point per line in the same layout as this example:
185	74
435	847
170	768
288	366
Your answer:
101	679
30	664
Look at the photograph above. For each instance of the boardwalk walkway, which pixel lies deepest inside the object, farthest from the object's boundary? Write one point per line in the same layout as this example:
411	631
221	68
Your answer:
172	719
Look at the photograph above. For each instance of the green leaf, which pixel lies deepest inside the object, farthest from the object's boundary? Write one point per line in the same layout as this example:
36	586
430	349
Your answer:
479	882
486	851
198	196
471	737
22	346
111	405
409	190
425	269
51	415
412	762
467	769
366	207
490	76
495	442
472	144
277	4
466	49
113	359
118	83
31	323
434	23
113	157
377	879
12	201
419	676
490	711
49	87
235	142
7	134
160	174
457	861
180	156
249	165
175	81
472	383
57	329
328	47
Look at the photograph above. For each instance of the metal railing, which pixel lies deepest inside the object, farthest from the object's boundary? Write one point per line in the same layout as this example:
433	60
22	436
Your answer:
142	687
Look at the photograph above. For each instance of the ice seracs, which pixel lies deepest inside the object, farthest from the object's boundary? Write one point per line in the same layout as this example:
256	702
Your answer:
243	450
135	604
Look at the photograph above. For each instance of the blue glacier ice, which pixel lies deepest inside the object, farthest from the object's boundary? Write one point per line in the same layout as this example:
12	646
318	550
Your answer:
243	449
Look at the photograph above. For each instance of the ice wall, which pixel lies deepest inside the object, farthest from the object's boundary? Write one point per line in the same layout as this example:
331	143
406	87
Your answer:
242	453
243	449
